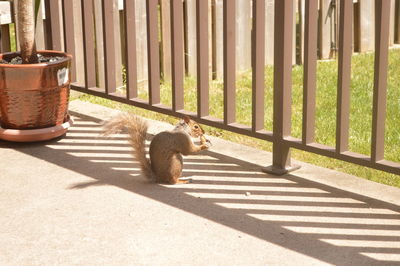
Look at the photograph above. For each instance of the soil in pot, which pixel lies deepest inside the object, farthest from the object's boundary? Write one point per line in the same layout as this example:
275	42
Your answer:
17	60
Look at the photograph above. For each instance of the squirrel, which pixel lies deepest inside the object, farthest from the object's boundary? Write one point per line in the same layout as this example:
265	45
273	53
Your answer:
166	148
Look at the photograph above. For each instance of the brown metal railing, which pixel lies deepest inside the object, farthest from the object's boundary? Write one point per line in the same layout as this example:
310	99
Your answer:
281	133
341	151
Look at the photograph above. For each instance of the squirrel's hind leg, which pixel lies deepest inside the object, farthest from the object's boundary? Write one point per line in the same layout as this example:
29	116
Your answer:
176	165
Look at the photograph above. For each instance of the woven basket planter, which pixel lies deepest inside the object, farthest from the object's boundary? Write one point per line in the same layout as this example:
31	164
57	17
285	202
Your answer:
34	96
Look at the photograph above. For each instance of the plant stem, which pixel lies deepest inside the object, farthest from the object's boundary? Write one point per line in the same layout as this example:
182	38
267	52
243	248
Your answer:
26	31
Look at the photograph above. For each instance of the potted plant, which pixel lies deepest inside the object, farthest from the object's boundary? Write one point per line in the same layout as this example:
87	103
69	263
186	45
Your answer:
34	86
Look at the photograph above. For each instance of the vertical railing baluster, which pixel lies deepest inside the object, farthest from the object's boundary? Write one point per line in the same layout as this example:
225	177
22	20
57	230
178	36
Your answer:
344	71
88	43
109	46
202	59
282	87
382	9
229	61
153	51
130	49
177	54
69	33
53	15
258	64
310	70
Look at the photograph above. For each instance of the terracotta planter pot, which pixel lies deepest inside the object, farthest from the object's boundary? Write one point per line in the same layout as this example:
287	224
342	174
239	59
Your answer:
34	96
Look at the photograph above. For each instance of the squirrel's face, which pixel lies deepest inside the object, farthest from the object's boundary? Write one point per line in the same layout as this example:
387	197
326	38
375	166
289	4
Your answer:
195	129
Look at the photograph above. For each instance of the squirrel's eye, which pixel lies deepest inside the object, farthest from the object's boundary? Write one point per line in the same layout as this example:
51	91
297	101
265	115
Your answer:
196	126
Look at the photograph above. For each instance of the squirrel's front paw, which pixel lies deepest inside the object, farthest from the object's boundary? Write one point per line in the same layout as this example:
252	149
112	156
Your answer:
208	143
206	146
204	141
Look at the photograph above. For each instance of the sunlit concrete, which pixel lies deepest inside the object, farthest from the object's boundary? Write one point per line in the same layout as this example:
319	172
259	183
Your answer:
81	200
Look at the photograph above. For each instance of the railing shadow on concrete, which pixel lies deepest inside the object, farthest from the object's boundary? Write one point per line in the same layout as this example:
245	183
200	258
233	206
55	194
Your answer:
320	221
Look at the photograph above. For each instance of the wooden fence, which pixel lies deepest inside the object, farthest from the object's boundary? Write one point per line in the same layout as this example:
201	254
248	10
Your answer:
328	23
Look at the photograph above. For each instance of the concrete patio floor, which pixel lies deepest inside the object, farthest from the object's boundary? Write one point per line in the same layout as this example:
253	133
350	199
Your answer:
81	200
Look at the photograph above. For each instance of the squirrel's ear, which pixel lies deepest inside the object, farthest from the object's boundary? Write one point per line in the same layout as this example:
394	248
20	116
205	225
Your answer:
186	119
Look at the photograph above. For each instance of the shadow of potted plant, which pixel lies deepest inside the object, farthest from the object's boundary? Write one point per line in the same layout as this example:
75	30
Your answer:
34	85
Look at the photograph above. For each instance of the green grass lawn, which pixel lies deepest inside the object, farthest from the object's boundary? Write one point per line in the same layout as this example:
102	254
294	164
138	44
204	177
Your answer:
360	116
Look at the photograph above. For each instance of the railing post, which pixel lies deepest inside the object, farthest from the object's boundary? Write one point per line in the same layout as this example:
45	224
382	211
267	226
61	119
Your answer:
282	88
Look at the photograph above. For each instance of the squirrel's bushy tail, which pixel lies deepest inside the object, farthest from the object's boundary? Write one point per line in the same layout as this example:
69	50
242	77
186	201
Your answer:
137	129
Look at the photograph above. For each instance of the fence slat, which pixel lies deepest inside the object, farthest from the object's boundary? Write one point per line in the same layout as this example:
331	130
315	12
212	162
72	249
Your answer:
325	28
5	45
310	70
109	46
269	31
300	39
380	79
190	28
118	23
367	25
165	9
243	35
258	64
229	62
6	16
53	16
88	43
79	58
392	22
153	51
141	43
282	87
202	58
16	24
98	25
177	54
210	41
218	39
130	49
42	43
397	22
77	39
69	31
344	71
